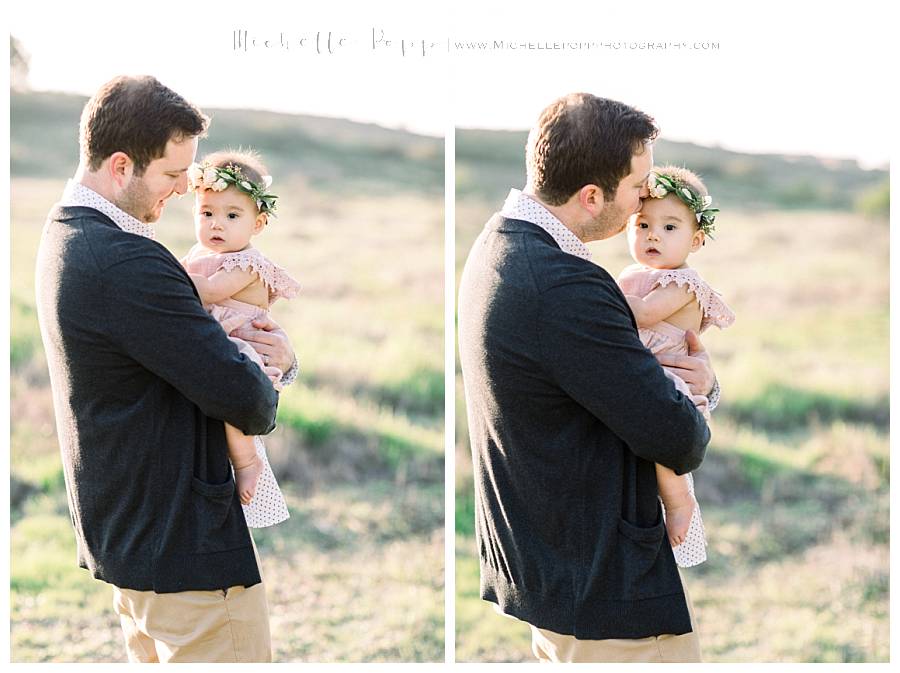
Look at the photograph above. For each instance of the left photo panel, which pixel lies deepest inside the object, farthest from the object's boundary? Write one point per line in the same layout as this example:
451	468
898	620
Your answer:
227	354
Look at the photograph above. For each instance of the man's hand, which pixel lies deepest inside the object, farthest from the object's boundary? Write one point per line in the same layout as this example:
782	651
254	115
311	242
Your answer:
270	341
694	368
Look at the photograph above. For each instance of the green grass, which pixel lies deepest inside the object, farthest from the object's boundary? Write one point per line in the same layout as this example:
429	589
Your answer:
795	486
349	577
481	633
357	573
781	407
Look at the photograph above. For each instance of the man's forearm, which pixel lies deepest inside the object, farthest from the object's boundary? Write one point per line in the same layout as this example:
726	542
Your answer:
595	355
157	320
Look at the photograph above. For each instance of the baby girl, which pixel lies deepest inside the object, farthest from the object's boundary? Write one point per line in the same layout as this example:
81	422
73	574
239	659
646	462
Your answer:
237	284
668	298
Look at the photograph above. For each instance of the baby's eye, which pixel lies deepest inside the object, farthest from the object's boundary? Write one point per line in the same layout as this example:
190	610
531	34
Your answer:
642	225
232	216
206	213
671	227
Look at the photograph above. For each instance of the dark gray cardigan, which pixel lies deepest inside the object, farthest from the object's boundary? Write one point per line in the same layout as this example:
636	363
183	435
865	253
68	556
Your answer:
141	377
567	414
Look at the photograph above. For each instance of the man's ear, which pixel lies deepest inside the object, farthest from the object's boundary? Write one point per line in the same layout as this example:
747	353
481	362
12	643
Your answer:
120	168
590	197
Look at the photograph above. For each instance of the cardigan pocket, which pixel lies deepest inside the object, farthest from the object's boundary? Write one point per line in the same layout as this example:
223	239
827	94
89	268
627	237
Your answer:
223	491
643	536
642	568
211	507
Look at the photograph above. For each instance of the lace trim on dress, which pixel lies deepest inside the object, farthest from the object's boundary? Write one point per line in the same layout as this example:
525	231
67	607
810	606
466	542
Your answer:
715	311
276	279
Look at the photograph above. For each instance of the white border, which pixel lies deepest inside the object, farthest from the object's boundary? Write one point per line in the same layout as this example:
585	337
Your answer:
450	393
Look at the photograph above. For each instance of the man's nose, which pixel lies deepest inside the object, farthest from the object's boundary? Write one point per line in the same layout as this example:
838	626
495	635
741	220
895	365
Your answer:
181	186
645	192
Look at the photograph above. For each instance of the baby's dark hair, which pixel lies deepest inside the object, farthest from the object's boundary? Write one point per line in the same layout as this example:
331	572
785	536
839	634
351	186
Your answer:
248	161
682	175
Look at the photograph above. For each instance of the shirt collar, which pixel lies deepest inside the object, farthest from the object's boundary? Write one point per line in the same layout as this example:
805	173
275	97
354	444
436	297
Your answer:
76	194
520	206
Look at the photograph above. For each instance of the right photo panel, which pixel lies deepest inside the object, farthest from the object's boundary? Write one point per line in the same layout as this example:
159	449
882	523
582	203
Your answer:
672	331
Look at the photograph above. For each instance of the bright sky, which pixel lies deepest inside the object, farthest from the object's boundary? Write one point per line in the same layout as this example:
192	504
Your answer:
781	79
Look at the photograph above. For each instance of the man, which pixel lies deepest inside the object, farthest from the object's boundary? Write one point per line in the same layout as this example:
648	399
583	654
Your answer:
567	411
142	381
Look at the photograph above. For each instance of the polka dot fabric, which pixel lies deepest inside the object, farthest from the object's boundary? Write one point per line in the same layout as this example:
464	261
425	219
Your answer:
692	551
76	194
519	206
268	506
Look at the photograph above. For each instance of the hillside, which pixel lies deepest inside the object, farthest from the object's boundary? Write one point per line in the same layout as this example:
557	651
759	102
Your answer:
327	153
490	162
795	487
356	574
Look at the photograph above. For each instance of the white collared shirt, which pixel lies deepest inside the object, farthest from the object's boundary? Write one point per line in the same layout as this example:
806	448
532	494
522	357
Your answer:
76	194
520	206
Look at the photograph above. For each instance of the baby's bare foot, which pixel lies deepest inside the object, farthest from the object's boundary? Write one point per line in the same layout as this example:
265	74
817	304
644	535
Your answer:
245	477
678	520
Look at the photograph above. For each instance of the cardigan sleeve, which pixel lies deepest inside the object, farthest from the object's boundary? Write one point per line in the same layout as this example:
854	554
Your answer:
155	317
591	348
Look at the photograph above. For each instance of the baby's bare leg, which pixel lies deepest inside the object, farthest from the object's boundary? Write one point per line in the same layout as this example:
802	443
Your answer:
247	465
676	496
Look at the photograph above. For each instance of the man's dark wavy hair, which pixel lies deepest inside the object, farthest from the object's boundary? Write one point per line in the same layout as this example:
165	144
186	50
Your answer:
581	139
137	116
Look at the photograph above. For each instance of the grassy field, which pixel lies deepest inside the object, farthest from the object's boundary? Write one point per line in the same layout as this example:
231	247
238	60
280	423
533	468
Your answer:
795	486
356	574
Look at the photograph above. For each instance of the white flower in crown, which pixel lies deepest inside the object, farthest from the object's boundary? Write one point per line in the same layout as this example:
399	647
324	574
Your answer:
699	217
651	180
195	174
658	191
687	193
267	181
259	204
219	185
210	175
707	200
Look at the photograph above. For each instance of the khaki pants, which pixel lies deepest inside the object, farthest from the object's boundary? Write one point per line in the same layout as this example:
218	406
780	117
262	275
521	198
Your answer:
228	625
550	647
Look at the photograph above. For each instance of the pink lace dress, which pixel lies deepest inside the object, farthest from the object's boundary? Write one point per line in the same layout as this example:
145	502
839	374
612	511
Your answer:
664	337
268	506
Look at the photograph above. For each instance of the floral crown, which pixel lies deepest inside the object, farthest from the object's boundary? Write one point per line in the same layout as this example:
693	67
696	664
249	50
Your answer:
216	178
660	185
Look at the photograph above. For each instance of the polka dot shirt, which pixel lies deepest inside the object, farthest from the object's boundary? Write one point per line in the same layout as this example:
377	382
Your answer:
519	206
76	194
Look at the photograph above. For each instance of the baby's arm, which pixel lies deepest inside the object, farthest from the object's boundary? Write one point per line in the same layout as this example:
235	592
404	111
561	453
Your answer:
222	284
659	304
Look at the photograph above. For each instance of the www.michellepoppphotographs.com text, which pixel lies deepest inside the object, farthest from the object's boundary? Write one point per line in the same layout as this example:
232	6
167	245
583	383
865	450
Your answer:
381	41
